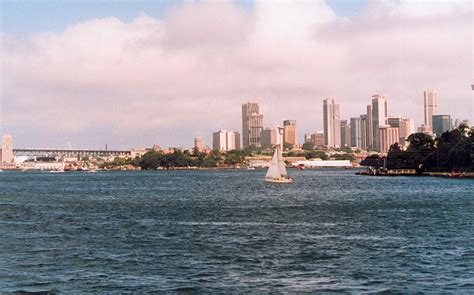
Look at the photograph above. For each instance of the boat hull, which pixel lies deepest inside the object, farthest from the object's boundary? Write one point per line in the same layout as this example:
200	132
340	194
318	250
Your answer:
281	180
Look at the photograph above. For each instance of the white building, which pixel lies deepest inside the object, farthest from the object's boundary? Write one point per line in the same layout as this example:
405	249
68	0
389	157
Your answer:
6	154
388	136
379	118
332	123
430	102
224	140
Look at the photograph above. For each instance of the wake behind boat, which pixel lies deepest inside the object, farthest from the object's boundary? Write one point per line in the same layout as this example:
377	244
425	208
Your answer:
277	171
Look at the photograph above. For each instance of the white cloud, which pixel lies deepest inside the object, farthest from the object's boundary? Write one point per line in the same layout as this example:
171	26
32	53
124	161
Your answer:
166	81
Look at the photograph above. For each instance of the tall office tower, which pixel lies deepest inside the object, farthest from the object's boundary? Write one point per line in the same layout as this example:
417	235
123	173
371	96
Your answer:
252	125
356	132
345	133
6	155
224	140
394	121
379	118
269	137
388	136
370	129
407	128
430	99
332	124
199	143
441	124
289	132
363	132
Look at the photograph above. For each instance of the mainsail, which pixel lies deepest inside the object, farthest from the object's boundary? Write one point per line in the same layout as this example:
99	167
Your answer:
281	163
274	169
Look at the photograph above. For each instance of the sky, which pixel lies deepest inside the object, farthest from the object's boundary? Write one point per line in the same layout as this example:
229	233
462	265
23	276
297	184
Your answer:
137	73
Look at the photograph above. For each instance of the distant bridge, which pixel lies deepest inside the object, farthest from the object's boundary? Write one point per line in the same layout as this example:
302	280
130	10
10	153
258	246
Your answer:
68	153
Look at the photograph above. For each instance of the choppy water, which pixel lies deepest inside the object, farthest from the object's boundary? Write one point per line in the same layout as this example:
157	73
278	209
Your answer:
228	231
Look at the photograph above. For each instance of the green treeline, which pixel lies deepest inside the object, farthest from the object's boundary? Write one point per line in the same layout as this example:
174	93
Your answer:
452	151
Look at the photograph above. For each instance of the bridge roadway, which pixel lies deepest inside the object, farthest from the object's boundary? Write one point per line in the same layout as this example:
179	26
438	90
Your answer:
68	152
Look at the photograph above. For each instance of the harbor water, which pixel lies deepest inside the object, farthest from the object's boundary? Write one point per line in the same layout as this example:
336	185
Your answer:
230	231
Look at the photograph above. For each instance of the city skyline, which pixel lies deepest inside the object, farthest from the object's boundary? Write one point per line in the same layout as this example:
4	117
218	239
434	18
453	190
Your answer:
151	78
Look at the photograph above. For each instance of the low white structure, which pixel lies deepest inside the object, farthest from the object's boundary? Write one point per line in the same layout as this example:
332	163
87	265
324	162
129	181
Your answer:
324	164
42	166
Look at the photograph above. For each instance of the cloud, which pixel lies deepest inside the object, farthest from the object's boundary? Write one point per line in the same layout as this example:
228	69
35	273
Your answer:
167	80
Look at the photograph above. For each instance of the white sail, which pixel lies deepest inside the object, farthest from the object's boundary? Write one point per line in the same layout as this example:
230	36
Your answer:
274	170
281	163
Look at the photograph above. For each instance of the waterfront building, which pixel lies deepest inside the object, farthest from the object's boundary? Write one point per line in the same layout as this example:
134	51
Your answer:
379	118
388	136
270	137
6	154
317	138
345	133
430	102
331	122
289	132
199	143
224	140
369	138
356	132
252	125
407	127
441	124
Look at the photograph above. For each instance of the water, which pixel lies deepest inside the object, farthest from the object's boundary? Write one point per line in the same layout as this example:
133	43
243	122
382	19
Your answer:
228	231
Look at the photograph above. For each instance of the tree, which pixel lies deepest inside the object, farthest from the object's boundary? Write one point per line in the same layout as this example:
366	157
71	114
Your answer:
151	160
308	146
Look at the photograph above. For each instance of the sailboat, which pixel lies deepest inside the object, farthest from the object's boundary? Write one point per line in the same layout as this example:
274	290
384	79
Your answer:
277	171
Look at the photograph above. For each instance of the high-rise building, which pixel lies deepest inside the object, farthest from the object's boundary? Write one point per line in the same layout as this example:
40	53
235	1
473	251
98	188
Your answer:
379	118
224	140
369	138
363	132
289	132
345	133
332	124
252	125
269	137
6	154
425	129
394	121
199	143
356	132
430	102
407	128
388	136
441	124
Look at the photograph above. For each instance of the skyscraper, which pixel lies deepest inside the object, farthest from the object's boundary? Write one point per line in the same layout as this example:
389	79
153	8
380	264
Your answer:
289	132
6	155
363	132
199	143
252	125
388	136
441	124
407	127
357	132
379	118
345	133
332	124
269	137
224	140
430	99
369	139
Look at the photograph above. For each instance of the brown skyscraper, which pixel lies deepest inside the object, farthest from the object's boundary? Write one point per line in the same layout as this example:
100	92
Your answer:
252	125
289	132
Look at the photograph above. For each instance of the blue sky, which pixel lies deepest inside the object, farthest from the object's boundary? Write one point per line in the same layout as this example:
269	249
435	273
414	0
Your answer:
18	16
